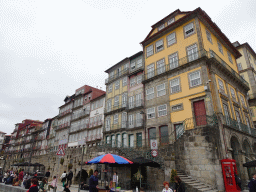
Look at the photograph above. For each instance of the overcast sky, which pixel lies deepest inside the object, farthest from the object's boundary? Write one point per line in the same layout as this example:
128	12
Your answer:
49	48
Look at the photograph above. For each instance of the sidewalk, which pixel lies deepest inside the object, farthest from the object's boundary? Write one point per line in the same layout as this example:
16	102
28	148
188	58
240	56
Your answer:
73	188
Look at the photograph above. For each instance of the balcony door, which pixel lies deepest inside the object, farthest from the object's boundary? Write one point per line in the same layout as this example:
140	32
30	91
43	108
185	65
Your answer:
226	113
199	113
238	119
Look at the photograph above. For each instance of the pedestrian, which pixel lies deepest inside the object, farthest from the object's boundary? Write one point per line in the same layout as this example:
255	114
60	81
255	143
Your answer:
21	174
53	183
47	174
93	182
25	179
42	185
63	178
238	182
69	177
252	183
179	186
166	187
33	187
6	175
66	188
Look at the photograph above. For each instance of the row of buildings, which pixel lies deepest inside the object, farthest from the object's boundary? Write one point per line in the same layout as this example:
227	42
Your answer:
188	77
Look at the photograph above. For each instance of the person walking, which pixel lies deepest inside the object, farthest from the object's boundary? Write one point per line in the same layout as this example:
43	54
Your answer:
93	182
252	183
21	174
63	178
53	183
33	187
66	188
69	177
47	174
42	185
179	186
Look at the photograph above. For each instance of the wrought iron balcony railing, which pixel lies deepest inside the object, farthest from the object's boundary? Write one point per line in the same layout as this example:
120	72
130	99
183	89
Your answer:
136	103
65	112
135	69
117	75
115	107
80	115
64	125
124	124
237	125
199	121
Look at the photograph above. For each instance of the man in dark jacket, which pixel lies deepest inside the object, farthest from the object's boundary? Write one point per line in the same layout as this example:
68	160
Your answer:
252	183
47	174
69	177
93	182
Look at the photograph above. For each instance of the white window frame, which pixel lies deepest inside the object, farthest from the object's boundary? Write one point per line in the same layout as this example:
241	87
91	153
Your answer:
175	85
117	84
150	50
209	36
161	91
232	91
177	107
133	65
139	63
124	119
124	99
110	87
170	21
191	80
151	70
150	93
108	122
131	102
171	39
112	74
131	121
220	47
221	85
163	111
124	81
115	119
116	101
173	60
239	67
161	27
229	57
159	45
126	66
133	81
189	27
242	100
151	113
160	66
192	52
109	105
139	79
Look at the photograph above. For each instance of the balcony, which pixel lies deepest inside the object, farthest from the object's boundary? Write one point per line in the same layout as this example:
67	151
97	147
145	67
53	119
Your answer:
116	76
135	70
65	112
136	104
177	64
93	137
115	108
198	121
80	115
78	128
63	126
95	124
124	125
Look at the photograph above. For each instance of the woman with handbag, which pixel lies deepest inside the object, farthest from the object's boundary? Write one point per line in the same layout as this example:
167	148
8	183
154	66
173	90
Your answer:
63	178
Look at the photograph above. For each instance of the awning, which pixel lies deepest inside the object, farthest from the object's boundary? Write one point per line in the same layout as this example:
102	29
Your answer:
250	164
145	162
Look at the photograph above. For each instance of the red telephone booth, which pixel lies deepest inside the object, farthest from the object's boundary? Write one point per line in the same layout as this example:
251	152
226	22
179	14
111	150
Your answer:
229	170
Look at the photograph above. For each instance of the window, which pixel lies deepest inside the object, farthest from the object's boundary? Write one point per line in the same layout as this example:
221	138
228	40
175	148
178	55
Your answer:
151	113
171	39
111	74
209	37
113	139
164	138
239	66
116	101
150	50
124	140
179	129
138	119
238	119
131	102
133	65
132	81
117	84
109	105
161	27
138	100
233	95
151	70
131	123
139	63
139	79
189	29
195	79
124	81
139	139
248	124
192	53
160	66
124	99
108	124
159	45
118	137
162	110
221	86
160	90
126	66
115	118
220	47
229	57
150	93
110	88
170	21
175	85
124	119
152	134
226	113
131	140
242	100
173	60
177	107
118	71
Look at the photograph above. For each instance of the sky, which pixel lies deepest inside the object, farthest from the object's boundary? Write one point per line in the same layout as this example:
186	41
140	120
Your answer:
49	48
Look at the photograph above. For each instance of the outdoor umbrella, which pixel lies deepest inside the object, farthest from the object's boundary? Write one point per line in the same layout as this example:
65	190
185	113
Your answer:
145	162
109	159
250	164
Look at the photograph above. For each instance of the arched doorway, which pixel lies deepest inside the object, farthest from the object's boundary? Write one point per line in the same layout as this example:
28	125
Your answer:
248	157
235	153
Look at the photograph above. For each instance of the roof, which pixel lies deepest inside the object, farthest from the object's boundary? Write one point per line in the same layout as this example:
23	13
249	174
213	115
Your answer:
2	132
127	58
100	95
202	15
245	45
